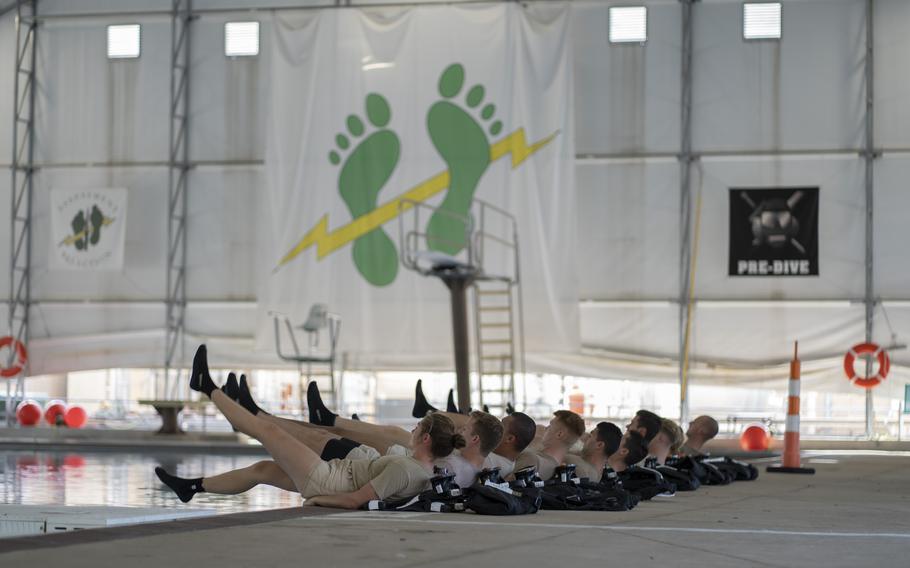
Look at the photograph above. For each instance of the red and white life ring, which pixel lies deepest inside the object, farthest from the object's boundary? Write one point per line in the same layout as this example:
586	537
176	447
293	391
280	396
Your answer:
21	357
884	364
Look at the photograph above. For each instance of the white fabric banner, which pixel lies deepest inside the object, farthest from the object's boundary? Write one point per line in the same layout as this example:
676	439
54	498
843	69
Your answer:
445	105
88	229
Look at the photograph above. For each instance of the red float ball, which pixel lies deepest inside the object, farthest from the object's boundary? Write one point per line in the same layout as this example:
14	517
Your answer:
28	413
75	417
52	410
755	438
73	461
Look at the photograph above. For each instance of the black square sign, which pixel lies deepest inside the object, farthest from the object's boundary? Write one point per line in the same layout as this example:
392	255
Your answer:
774	232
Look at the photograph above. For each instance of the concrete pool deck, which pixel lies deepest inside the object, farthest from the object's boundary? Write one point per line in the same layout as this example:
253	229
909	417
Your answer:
854	512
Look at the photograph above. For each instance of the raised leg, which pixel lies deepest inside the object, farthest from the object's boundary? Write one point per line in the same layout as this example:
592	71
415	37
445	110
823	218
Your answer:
244	479
315	437
294	457
378	437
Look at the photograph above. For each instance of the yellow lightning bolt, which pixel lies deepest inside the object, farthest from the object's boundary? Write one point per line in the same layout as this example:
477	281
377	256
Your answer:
327	242
83	233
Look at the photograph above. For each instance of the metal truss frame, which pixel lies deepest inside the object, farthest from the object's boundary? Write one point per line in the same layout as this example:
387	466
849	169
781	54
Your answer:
178	182
22	187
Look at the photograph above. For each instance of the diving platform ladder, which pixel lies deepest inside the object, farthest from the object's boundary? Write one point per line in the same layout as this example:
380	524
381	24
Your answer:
488	265
498	310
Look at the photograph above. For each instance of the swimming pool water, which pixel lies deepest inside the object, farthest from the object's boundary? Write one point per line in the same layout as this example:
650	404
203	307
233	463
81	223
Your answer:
125	479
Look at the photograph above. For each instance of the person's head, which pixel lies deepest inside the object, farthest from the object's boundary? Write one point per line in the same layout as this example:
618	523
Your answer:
482	430
645	423
602	440
563	430
519	430
701	430
632	449
436	434
667	441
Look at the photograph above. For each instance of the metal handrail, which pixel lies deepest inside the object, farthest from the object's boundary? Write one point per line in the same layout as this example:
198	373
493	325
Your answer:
334	325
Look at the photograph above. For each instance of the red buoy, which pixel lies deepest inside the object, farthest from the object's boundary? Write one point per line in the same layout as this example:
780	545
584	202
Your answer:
75	417
52	410
28	413
755	438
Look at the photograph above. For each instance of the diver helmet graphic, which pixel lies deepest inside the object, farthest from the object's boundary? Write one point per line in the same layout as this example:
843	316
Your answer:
773	222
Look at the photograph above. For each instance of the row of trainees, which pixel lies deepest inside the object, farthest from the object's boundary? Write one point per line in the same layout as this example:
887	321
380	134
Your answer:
338	462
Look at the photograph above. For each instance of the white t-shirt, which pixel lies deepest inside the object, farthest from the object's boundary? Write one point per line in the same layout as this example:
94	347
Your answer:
465	472
505	465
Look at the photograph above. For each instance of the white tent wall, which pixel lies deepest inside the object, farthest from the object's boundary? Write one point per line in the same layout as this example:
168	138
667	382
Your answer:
804	92
765	113
782	113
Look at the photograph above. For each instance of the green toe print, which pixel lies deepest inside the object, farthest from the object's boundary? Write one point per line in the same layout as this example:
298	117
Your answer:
363	174
465	148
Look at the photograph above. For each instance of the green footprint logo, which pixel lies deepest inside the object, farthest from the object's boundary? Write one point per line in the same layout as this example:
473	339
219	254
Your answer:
78	225
464	147
364	173
97	220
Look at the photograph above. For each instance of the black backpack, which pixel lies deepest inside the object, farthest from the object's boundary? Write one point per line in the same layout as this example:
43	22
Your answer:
443	496
493	500
645	482
684	480
737	470
706	473
567	492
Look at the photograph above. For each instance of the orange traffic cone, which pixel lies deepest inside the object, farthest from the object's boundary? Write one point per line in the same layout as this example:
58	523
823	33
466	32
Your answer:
791	437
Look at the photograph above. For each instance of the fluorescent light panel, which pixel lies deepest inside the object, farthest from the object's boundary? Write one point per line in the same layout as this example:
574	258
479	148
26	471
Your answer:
241	39
123	42
628	24
761	21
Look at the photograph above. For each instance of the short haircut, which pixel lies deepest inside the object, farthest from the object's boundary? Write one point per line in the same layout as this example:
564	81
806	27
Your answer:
610	435
650	422
523	428
637	446
489	428
572	421
709	424
674	434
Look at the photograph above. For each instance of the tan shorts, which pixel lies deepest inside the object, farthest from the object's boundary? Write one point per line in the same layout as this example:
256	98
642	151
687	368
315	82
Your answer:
363	453
329	478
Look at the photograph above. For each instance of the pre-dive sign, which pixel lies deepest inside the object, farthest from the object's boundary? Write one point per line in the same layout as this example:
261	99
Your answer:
774	232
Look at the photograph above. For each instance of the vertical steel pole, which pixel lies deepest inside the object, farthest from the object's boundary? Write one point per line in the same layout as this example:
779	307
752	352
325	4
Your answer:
869	155
685	208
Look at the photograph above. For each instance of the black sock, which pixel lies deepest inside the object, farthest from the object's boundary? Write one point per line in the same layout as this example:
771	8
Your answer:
201	380
184	488
245	397
355	417
509	408
231	388
319	412
421	406
450	402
